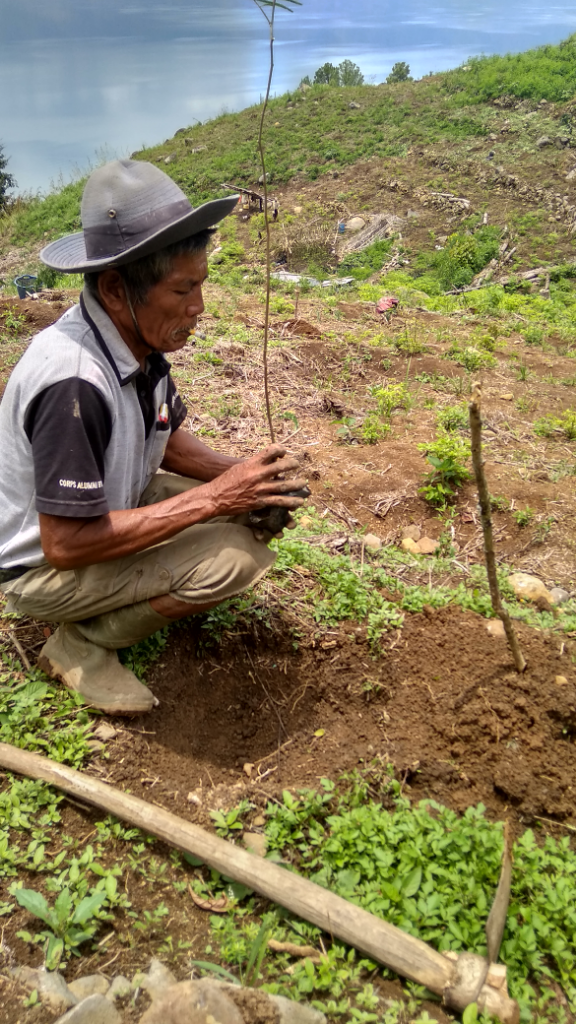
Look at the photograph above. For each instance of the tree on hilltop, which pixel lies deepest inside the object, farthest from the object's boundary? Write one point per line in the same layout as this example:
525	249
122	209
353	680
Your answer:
400	73
327	75
347	73
7	181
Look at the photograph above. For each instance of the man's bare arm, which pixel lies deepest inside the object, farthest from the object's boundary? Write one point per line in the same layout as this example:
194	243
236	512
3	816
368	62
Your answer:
187	455
70	543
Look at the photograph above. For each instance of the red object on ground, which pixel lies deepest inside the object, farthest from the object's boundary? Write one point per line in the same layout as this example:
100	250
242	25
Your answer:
386	303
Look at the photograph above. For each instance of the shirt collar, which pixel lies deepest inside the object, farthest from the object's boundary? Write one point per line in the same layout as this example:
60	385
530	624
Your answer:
123	362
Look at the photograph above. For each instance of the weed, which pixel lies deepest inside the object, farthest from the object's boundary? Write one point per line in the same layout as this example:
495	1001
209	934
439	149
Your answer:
498	503
564	425
446	455
522	517
365	262
228	822
13	322
453	417
469	357
408	344
70	922
390	397
522	372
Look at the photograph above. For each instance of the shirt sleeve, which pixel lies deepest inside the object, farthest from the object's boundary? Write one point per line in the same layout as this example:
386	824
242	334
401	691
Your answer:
69	427
178	411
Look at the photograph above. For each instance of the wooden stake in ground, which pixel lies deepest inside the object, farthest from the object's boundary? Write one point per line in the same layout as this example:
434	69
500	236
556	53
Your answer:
484	498
460	979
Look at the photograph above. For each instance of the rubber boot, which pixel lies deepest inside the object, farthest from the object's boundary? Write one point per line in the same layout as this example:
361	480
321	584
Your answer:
124	626
94	672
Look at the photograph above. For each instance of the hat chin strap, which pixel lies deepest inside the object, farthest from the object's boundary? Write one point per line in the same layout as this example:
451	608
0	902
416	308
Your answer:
139	334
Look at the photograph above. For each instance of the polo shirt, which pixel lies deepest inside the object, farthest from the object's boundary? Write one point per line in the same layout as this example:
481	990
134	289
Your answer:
83	428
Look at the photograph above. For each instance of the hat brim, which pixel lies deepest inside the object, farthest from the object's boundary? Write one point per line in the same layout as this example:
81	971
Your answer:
68	254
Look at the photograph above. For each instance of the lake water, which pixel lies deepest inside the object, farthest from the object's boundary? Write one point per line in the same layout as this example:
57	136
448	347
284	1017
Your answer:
83	77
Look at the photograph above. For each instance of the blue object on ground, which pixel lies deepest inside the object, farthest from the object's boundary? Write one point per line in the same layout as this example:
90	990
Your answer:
26	285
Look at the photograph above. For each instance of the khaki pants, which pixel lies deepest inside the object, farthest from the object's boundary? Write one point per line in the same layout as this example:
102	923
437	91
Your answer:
206	563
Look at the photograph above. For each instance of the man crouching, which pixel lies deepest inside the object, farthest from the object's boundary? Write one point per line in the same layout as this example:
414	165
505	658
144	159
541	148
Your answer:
92	536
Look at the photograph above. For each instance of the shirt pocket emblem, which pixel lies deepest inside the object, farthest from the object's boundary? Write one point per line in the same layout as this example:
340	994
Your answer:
163	416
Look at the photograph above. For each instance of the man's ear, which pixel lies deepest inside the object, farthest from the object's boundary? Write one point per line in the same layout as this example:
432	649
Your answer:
112	291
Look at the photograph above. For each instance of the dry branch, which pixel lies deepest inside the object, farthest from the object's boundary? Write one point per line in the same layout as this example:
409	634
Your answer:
460	979
484	498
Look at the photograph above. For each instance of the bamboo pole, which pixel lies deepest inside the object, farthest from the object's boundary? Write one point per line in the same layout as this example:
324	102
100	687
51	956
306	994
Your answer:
484	498
459	982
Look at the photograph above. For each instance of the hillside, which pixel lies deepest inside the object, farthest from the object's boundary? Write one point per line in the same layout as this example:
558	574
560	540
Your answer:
367	666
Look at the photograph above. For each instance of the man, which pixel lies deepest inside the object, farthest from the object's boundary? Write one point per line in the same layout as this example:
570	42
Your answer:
92	536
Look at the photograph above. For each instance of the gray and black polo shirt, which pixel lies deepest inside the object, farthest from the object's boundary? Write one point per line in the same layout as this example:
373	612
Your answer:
83	428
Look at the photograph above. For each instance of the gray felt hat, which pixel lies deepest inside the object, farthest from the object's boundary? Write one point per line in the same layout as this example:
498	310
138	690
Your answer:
130	209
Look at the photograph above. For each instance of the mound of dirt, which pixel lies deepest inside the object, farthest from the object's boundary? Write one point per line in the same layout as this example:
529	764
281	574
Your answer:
443	704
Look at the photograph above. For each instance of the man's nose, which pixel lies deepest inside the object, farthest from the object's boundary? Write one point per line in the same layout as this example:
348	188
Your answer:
196	307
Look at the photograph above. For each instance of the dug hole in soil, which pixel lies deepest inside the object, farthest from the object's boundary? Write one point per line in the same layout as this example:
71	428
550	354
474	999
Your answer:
442	703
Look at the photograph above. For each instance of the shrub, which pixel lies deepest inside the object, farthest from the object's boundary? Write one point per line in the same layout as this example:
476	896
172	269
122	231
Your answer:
447	455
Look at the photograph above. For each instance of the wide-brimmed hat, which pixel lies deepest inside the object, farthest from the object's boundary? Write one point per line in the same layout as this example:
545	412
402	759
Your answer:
130	209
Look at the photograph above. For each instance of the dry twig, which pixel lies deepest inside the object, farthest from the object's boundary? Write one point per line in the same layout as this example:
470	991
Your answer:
484	498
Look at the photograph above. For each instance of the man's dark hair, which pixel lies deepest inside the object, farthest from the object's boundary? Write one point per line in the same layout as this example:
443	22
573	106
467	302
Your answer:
141	275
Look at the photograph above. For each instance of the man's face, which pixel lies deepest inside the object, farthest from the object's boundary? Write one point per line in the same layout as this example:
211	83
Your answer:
173	306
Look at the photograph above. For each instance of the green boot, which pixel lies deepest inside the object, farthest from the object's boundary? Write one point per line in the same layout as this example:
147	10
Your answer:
124	626
94	672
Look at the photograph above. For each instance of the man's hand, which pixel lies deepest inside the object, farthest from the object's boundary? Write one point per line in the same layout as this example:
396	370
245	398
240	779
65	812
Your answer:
254	483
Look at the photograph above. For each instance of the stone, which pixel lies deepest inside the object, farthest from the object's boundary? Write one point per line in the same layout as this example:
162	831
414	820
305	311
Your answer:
171	158
559	595
305	522
51	987
355	224
119	989
408	544
372	542
157	979
571	175
193	1002
544	141
91	985
496	628
354	106
507	396
560	680
297	210
290	1012
256	842
105	732
529	588
93	1010
412	532
193	798
426	546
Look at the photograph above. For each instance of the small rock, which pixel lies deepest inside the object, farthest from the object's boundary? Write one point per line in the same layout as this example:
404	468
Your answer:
93	1010
248	768
496	628
354	106
91	985
51	987
559	595
119	989
571	175
355	224
95	745
306	522
560	680
297	209
529	588
410	545
193	1002
259	820
372	542
105	732
507	396
413	532
193	798
171	158
158	979
256	842
544	141
427	546
290	1012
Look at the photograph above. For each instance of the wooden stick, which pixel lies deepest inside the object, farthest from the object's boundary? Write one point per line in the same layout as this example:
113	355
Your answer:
459	982
497	916
484	498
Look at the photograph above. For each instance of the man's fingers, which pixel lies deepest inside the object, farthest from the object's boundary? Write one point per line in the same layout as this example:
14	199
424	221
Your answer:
279	468
284	501
271	453
283	486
